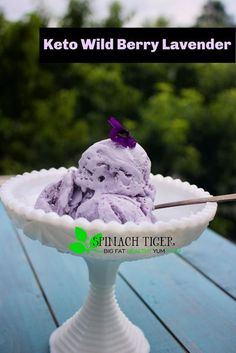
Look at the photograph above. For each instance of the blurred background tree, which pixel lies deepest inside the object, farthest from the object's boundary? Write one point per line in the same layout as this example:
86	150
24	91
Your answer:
77	15
214	15
115	17
161	21
183	114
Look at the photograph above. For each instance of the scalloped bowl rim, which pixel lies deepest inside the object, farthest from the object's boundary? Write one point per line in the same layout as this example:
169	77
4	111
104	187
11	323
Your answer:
205	215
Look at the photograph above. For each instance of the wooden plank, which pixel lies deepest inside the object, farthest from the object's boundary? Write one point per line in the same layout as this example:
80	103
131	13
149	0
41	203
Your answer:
215	256
65	282
202	316
25	321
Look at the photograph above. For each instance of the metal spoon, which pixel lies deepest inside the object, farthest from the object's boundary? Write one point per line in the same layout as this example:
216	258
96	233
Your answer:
219	199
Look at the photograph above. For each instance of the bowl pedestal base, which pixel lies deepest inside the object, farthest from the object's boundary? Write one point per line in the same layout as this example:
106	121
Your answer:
99	326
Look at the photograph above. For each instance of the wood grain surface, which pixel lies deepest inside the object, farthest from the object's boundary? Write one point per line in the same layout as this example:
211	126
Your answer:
183	302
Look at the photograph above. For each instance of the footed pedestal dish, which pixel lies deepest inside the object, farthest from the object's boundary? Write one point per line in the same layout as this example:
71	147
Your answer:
100	326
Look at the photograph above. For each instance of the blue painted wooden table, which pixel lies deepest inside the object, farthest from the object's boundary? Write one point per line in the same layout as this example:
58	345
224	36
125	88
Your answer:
183	302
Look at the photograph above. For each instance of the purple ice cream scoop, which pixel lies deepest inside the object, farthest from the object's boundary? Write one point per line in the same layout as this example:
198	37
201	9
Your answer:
111	183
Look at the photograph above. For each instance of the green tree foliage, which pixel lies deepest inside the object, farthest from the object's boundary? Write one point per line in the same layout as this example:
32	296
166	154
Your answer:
161	21
77	14
184	115
167	119
115	17
214	15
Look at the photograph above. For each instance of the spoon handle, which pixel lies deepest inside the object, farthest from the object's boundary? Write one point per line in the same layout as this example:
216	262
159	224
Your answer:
220	198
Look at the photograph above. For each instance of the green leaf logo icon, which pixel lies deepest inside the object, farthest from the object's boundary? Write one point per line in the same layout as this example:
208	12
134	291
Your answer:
80	234
80	246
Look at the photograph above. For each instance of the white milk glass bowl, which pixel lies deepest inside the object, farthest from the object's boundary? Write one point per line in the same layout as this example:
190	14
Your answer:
100	326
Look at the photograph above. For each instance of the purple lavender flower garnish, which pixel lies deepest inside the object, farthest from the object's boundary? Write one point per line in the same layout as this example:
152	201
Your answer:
120	135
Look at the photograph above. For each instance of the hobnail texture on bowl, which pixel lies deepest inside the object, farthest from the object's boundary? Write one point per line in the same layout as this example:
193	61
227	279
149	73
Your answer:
100	326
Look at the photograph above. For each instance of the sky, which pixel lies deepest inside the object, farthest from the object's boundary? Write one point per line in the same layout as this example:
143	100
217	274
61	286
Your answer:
179	12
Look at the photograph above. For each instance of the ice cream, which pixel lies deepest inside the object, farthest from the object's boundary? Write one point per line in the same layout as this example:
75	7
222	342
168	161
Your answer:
112	183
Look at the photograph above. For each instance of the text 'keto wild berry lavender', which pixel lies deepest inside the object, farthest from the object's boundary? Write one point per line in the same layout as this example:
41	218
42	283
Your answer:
137	45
